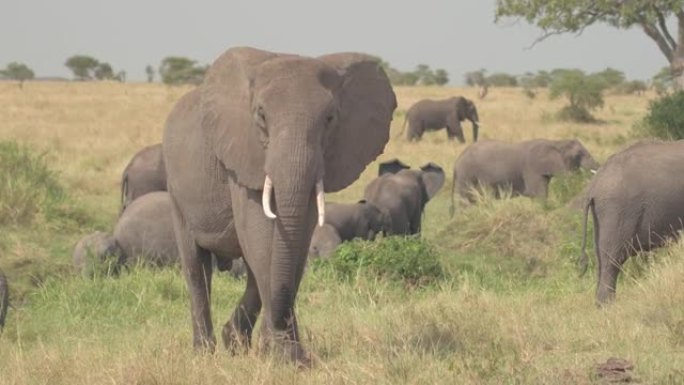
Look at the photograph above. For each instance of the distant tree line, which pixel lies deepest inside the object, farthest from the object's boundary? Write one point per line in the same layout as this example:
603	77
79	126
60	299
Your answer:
423	75
610	78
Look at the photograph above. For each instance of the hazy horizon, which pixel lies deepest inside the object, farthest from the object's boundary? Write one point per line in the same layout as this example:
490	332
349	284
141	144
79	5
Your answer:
458	36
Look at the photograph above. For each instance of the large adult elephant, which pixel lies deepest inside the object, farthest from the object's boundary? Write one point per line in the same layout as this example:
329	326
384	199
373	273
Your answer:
428	114
403	194
248	157
144	173
524	167
4	298
347	221
637	202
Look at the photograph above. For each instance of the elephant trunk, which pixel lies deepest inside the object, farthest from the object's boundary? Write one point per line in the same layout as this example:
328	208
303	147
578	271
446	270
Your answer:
295	179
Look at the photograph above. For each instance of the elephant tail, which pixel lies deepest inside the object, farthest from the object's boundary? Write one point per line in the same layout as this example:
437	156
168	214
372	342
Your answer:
124	191
4	299
452	208
583	262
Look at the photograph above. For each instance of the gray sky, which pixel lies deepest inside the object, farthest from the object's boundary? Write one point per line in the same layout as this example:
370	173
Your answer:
457	35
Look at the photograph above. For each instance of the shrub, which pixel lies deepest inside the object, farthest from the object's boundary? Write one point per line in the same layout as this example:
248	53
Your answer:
408	259
584	93
665	118
27	186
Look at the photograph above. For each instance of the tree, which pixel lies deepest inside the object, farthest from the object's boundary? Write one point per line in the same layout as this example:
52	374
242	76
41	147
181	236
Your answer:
17	71
663	82
562	16
149	70
82	66
181	70
475	78
441	77
104	71
611	77
584	93
501	79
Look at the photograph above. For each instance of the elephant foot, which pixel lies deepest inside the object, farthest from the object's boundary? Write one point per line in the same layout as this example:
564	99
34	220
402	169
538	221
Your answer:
204	345
281	346
235	341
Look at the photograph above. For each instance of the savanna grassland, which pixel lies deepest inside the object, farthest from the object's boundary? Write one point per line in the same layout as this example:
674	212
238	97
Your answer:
512	309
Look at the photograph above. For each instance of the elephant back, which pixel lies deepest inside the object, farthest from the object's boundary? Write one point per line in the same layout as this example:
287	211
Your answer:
145	231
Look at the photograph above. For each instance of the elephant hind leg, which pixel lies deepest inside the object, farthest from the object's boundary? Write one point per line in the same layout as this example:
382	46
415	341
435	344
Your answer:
237	332
613	250
197	269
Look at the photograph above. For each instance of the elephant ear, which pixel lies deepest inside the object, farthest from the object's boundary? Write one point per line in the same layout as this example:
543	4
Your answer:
366	104
392	166
433	178
227	116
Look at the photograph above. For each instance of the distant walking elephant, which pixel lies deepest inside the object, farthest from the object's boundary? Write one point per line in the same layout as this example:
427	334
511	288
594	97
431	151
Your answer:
524	167
143	234
404	194
144	173
430	114
361	220
4	298
637	201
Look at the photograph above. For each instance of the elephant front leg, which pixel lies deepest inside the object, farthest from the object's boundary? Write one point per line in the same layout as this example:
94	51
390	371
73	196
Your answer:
454	130
197	269
237	332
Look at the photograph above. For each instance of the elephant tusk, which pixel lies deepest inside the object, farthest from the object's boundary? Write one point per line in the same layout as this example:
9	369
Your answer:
320	202
593	171
266	197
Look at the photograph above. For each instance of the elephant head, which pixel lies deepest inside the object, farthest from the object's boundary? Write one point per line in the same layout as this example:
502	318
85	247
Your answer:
324	241
378	220
285	123
465	109
392	166
97	251
576	155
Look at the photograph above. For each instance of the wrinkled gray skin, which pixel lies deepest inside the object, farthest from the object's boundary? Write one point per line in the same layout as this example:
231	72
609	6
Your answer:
4	298
637	201
349	221
430	114
524	167
297	122
404	194
143	234
144	173
324	241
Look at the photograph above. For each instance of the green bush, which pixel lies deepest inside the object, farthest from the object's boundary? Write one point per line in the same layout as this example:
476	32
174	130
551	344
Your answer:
665	118
583	93
411	260
28	188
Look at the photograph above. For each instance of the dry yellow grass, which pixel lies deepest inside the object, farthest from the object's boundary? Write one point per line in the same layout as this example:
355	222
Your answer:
135	330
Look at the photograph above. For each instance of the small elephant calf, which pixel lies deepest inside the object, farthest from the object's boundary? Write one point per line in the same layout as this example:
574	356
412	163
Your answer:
403	193
143	234
344	222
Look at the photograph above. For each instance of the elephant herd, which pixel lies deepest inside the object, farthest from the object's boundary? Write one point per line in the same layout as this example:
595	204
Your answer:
247	157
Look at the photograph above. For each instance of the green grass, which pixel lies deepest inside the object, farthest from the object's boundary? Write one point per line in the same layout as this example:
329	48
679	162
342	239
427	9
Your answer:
507	306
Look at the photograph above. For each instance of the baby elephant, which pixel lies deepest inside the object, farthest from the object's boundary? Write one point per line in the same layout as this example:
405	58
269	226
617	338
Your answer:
344	222
144	173
143	234
524	167
637	202
403	193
